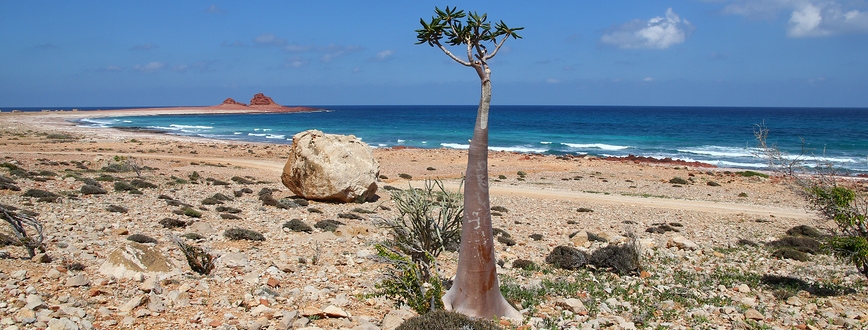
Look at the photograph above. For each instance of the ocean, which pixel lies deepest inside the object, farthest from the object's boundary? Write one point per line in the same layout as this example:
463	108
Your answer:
721	136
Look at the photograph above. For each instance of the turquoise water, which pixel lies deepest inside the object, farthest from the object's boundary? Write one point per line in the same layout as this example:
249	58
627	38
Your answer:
715	135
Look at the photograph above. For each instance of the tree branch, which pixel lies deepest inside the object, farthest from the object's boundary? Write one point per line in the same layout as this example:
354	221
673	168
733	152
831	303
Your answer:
452	55
503	41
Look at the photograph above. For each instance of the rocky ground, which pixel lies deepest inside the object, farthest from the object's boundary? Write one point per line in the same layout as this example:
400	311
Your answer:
708	267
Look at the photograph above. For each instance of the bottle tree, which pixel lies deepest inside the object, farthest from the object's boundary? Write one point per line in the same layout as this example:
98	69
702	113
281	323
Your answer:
475	290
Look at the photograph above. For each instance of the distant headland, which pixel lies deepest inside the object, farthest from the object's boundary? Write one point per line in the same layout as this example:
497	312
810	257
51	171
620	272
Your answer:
259	103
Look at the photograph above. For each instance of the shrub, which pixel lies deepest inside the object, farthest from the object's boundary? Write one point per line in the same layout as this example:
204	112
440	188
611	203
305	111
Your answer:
713	184
428	222
351	216
328	224
116	209
140	238
678	180
38	193
21	224
749	174
788	253
443	320
227	209
620	258
173	223
566	257
211	201
499	209
228	216
410	282
405	176
842	201
200	261
523	264
237	234
123	186
536	237
584	210
805	230
193	236
297	225
92	190
191	212
240	180
142	184
799	243
506	240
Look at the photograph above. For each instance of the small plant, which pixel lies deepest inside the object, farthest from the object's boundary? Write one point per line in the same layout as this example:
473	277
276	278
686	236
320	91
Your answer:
678	180
297	225
22	224
116	209
191	212
200	261
173	223
748	174
410	282
237	234
566	257
405	176
193	236
328	225
842	201
443	320
524	264
140	238
429	220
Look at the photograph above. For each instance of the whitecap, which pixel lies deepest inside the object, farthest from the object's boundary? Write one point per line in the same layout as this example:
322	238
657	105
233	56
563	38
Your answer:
273	136
455	145
601	146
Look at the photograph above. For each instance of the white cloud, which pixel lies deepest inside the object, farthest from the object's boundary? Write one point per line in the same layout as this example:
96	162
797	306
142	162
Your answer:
295	62
268	39
553	81
656	33
150	67
648	79
385	55
807	18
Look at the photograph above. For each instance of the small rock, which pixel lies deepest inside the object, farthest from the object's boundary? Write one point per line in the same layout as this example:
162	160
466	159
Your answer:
743	288
77	280
682	243
133	303
394	319
41	258
572	304
272	282
332	311
794	301
753	314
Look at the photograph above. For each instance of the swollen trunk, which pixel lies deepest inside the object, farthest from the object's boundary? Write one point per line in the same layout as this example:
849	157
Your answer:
475	290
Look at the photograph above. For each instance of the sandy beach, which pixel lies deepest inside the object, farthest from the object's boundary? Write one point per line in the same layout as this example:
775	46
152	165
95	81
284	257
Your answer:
717	281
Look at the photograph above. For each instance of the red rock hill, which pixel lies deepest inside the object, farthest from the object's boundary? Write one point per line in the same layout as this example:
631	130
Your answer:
261	99
230	101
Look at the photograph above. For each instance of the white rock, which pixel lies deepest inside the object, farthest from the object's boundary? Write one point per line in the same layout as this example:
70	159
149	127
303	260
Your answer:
77	280
234	259
330	167
682	243
572	304
133	303
394	318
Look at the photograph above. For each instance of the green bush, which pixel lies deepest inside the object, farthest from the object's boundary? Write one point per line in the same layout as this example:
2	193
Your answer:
748	174
443	320
409	282
678	180
237	234
297	225
842	201
429	220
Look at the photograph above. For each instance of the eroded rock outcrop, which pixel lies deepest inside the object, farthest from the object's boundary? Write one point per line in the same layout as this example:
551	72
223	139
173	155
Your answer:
261	99
134	261
230	101
330	167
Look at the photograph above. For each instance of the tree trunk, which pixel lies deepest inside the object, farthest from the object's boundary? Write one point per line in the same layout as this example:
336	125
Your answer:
475	291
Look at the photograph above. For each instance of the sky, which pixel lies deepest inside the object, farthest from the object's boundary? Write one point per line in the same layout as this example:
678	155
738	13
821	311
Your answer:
782	53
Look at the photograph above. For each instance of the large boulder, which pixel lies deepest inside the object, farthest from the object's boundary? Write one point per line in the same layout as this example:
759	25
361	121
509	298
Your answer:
329	167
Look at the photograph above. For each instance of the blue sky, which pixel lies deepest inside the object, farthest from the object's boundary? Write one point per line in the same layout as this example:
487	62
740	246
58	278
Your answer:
669	53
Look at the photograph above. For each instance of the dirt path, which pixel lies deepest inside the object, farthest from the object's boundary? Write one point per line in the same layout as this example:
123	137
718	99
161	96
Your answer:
523	191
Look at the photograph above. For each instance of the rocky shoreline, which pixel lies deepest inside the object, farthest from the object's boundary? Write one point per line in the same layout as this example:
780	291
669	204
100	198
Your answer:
701	272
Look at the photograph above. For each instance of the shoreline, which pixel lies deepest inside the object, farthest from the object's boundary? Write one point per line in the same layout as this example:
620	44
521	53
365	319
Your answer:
545	201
